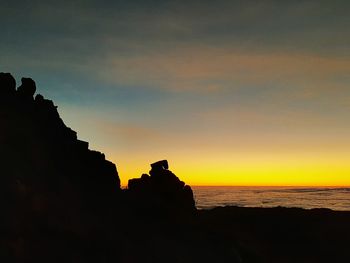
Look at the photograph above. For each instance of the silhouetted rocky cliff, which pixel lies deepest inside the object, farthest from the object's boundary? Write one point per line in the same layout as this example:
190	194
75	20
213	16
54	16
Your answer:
56	193
51	183
61	202
40	154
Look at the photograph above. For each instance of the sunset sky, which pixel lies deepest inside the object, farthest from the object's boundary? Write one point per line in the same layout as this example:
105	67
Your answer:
230	92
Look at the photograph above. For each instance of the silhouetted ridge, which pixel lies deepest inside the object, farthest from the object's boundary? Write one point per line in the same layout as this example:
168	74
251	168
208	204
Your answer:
52	184
33	129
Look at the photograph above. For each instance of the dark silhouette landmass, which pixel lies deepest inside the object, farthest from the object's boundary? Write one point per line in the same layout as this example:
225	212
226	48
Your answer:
62	202
161	190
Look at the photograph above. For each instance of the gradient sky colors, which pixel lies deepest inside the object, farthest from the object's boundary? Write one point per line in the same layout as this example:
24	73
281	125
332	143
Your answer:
230	92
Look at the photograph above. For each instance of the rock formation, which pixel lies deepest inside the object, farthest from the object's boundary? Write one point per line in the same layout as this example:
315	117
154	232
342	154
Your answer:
36	142
162	190
51	183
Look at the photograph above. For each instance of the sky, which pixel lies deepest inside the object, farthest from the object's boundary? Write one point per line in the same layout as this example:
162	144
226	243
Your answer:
229	92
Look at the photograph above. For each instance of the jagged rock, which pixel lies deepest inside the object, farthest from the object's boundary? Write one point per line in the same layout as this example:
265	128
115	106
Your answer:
8	84
162	190
54	186
27	88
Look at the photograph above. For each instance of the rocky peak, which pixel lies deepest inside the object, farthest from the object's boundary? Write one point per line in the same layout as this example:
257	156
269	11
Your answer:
42	153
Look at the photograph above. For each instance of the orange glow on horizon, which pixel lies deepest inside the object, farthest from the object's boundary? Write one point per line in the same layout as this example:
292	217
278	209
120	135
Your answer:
253	170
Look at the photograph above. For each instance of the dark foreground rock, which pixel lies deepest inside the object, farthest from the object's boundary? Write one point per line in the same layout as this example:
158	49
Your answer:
281	234
62	202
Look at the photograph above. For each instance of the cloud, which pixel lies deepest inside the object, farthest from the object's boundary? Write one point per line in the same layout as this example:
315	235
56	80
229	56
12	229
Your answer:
212	69
180	45
86	27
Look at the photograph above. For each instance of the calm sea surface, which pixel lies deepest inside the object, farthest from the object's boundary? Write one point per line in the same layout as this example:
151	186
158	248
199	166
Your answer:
304	197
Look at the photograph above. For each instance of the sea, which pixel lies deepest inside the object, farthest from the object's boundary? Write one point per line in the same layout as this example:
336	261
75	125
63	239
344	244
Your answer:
335	198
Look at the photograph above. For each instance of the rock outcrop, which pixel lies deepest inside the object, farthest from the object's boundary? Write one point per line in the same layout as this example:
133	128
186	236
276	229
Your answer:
35	142
51	183
162	191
